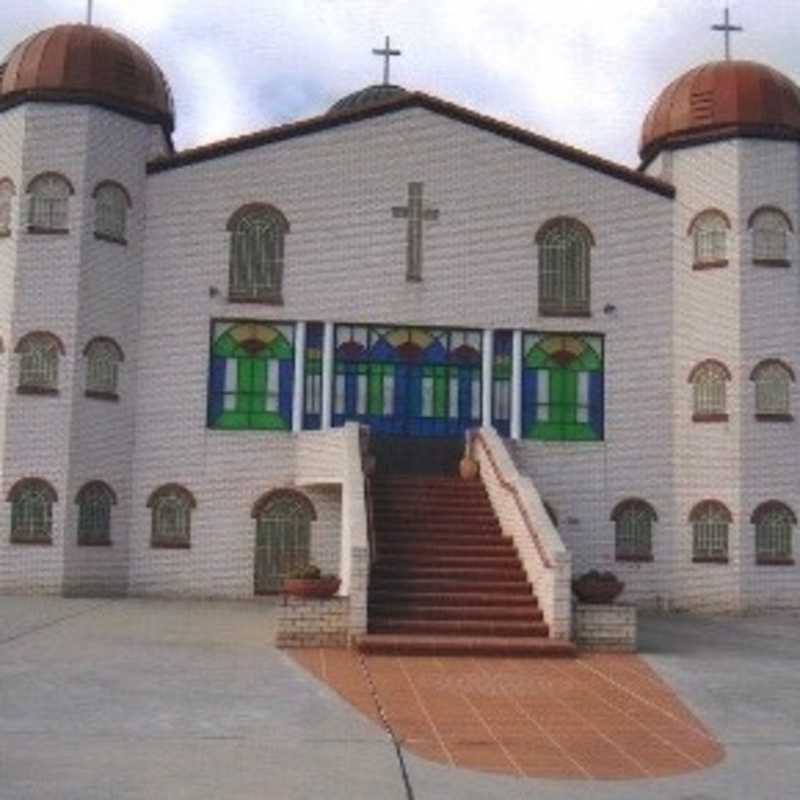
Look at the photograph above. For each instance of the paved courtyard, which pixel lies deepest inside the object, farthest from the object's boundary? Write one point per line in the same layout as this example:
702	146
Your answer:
122	699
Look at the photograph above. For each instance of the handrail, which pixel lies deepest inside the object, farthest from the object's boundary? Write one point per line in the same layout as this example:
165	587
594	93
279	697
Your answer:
477	437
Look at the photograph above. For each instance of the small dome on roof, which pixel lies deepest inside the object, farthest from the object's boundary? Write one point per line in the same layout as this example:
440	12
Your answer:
369	96
740	98
86	63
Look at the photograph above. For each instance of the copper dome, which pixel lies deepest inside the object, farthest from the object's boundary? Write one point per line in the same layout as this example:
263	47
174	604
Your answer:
368	96
84	63
723	98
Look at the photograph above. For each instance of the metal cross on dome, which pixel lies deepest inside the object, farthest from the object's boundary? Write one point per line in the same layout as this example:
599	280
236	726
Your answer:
387	53
727	29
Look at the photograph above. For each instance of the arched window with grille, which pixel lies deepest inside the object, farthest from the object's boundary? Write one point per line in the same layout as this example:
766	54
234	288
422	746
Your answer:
709	379
38	363
773	380
48	208
111	204
32	511
171	507
283	537
709	232
770	229
256	253
633	530
774	522
7	192
710	522
564	267
103	357
94	514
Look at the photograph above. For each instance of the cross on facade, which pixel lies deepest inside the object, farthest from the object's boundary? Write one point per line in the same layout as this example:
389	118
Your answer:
387	53
416	214
727	29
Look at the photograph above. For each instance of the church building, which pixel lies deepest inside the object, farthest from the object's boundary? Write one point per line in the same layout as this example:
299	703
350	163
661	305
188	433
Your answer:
202	351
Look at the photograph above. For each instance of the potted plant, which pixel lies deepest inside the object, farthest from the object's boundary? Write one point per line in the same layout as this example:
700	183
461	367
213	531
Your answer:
597	588
309	581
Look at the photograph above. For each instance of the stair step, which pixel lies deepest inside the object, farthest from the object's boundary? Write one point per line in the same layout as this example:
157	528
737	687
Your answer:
391	644
489	553
444	598
412	559
457	627
419	571
465	613
409	532
428	585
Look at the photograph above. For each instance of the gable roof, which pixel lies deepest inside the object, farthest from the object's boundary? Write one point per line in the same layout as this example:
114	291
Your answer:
444	108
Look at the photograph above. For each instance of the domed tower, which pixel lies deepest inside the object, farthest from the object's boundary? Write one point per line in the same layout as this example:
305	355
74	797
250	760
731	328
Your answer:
82	110
726	135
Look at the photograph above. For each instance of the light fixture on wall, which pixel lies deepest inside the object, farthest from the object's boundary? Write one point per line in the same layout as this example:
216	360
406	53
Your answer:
609	308
213	291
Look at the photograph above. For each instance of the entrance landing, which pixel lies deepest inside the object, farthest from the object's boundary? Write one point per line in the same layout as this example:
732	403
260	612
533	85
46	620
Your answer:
606	717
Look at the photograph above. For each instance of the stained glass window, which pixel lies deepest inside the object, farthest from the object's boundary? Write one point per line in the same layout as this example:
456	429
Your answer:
633	530
251	376
773	389
501	382
256	253
6	198
49	202
708	380
172	511
38	363
312	395
710	232
409	381
564	253
111	211
102	366
770	228
774	522
710	521
562	387
32	511
94	514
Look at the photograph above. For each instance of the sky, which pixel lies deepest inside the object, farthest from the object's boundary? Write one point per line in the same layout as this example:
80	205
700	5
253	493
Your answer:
584	72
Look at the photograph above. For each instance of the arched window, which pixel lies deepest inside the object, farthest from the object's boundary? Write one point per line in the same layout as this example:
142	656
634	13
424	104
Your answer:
770	227
710	521
48	210
103	357
38	363
708	380
112	202
7	193
564	250
32	511
709	230
773	381
172	506
774	522
283	537
94	513
633	539
256	253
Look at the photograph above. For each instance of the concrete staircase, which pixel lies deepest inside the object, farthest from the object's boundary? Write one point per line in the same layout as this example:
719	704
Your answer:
445	580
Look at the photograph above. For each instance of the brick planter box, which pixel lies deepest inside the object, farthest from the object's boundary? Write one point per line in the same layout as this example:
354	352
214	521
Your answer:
313	622
605	628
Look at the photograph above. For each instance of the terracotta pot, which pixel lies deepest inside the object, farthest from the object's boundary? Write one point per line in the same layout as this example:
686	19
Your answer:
312	587
468	468
595	592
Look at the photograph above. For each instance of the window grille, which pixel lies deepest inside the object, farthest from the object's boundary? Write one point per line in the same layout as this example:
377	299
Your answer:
111	212
172	508
708	380
6	196
774	522
770	235
710	522
710	238
773	389
32	512
49	203
256	254
634	531
38	366
564	249
102	367
94	514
